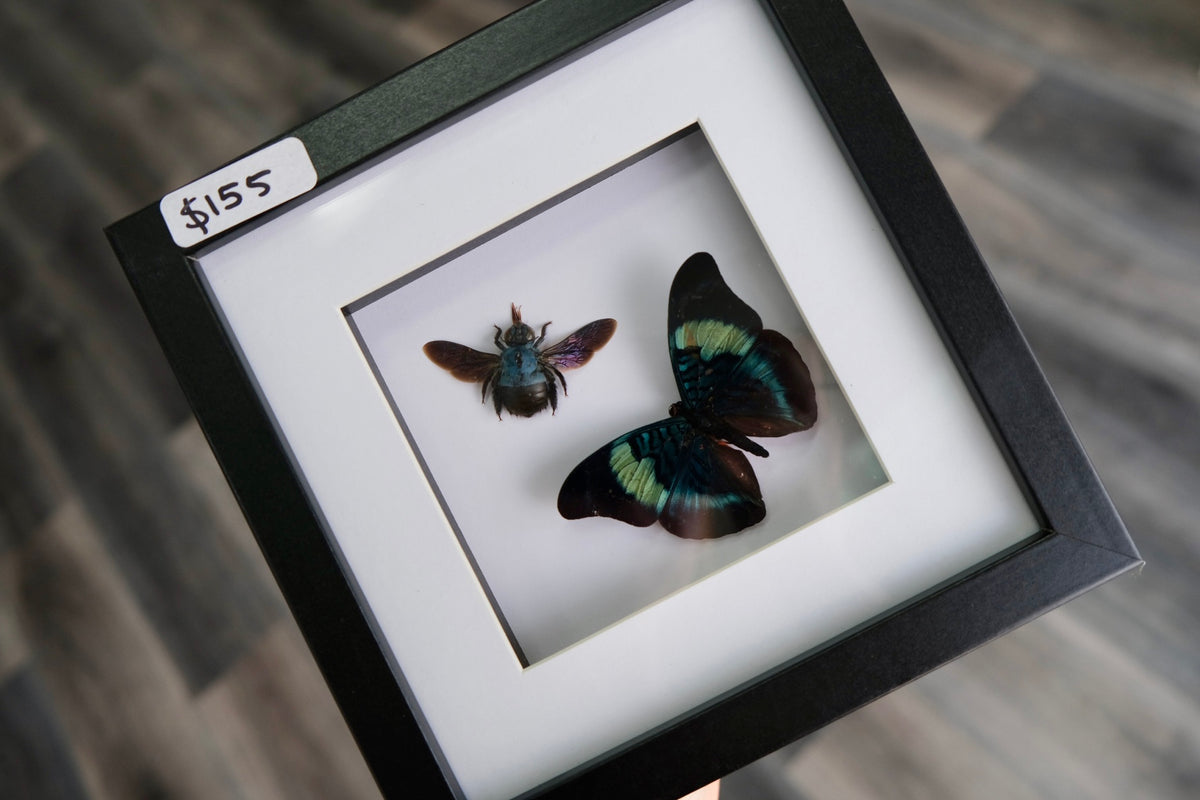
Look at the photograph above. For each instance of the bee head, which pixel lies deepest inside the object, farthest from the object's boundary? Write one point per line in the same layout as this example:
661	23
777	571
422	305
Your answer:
519	333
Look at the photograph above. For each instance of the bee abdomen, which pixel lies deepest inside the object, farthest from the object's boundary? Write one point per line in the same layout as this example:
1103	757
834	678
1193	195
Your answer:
524	401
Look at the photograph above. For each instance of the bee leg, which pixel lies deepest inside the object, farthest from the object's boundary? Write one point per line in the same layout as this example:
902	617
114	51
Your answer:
551	392
499	333
496	403
486	383
560	377
541	338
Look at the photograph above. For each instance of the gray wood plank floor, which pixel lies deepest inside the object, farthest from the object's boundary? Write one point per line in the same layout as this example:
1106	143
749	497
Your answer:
144	649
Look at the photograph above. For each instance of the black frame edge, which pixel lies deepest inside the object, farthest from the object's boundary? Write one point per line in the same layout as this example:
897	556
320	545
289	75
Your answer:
847	675
940	257
462	75
277	507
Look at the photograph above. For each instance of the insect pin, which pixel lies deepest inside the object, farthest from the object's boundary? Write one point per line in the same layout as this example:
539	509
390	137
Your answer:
522	376
736	380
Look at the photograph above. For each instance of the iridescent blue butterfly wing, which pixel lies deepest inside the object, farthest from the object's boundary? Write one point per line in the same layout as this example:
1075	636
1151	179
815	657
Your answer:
770	392
624	478
709	328
714	492
726	363
666	472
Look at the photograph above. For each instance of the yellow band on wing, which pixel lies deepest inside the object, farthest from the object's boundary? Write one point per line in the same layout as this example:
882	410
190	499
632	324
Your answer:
637	476
713	337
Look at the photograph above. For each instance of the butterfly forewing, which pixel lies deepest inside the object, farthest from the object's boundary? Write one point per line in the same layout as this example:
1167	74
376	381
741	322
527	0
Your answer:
624	478
699	292
697	487
725	362
709	328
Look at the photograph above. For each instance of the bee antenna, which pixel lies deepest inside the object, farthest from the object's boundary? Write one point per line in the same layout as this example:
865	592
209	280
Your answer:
516	314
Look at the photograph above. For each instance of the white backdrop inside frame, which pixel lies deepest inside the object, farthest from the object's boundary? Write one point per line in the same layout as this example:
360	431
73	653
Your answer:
609	251
502	729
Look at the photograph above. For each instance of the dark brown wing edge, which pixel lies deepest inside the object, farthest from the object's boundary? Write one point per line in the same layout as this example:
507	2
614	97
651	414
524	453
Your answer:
461	361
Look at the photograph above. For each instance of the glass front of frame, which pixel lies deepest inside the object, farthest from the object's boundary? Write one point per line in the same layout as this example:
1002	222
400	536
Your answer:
530	644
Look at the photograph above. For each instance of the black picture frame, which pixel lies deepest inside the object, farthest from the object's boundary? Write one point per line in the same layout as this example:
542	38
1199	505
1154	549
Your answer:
1081	542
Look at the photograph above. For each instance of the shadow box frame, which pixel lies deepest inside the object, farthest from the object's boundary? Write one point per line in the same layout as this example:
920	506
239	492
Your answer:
481	87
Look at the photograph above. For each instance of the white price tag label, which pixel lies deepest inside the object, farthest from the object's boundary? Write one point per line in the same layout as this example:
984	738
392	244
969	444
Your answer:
238	192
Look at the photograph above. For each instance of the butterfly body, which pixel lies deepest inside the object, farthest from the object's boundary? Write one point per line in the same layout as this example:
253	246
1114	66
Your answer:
707	422
523	378
736	380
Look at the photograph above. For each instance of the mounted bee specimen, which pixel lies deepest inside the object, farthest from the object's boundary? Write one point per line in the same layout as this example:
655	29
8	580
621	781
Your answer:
522	378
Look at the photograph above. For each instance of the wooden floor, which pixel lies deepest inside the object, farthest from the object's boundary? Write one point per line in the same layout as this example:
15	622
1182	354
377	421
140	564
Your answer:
144	650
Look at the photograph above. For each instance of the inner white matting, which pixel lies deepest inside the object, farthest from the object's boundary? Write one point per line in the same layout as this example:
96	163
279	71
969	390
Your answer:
556	580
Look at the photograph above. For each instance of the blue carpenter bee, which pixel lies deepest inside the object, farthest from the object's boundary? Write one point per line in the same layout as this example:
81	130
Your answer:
522	377
735	380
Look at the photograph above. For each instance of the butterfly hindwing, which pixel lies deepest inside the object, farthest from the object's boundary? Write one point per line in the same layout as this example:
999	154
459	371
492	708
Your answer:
714	492
769	391
666	472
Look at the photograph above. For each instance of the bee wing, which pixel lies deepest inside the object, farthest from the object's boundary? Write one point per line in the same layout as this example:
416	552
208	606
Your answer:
579	347
461	361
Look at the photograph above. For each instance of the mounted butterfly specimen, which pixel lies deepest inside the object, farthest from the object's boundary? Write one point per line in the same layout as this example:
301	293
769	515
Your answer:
522	376
736	381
